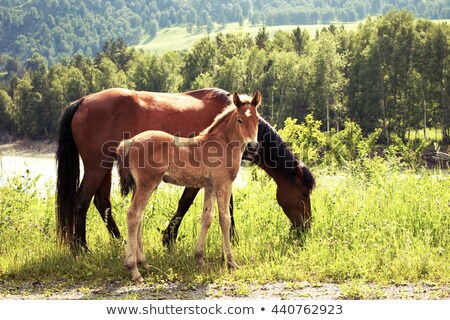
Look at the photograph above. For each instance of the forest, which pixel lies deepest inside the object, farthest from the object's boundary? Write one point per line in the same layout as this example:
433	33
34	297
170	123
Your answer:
62	28
392	74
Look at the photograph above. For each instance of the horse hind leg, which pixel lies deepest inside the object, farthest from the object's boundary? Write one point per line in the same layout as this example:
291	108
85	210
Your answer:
135	252
89	185
102	202
207	216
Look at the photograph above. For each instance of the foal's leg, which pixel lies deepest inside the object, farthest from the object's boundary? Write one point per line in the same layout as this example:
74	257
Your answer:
140	251
223	200
102	202
207	216
185	202
134	218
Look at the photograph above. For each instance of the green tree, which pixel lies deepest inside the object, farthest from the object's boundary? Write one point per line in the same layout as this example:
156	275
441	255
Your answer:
395	45
262	38
365	89
153	28
255	65
6	108
110	76
117	52
152	73
440	69
231	75
327	81
25	112
300	39
200	59
280	85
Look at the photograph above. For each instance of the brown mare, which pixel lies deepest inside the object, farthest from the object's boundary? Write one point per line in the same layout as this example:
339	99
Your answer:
93	126
210	160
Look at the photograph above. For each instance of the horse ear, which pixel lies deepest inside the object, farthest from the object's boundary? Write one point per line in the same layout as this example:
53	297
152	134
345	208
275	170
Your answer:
237	101
257	99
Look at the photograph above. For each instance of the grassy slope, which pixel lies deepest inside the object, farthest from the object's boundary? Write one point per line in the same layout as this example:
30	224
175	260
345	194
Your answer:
177	38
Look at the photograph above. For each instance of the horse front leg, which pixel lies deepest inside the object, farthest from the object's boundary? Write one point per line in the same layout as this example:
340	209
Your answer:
233	233
207	216
223	201
185	202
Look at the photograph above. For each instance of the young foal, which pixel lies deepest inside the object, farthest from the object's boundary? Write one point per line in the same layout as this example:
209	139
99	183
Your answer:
210	160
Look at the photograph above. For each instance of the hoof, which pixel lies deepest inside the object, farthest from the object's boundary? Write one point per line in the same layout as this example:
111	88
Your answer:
145	266
138	279
200	263
169	237
232	265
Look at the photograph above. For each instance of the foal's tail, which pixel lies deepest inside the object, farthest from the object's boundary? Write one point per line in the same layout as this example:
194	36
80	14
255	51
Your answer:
68	175
127	183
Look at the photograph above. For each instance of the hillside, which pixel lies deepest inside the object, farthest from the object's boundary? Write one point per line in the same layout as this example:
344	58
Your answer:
59	29
178	36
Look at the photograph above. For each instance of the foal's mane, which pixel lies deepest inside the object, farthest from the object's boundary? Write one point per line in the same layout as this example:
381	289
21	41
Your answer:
225	114
275	153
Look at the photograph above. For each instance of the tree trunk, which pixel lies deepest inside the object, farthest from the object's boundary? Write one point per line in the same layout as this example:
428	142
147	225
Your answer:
328	114
424	114
444	116
280	108
383	108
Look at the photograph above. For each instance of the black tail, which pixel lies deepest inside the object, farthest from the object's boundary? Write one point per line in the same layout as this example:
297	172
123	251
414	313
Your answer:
127	183
68	176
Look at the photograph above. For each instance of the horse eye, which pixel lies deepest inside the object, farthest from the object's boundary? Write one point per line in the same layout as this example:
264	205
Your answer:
239	120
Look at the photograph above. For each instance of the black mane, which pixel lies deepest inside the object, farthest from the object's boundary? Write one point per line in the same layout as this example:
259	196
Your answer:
274	153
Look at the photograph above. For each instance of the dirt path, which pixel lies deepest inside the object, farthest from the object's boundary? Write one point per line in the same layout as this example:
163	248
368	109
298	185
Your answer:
277	291
28	147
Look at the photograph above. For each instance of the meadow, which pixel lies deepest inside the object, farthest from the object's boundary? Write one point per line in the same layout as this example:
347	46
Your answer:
184	40
166	38
377	226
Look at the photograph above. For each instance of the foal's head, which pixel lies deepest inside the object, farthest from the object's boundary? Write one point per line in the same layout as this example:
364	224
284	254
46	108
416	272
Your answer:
247	116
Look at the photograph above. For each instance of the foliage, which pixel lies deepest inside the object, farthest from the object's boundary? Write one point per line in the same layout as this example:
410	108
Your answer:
59	29
348	147
391	74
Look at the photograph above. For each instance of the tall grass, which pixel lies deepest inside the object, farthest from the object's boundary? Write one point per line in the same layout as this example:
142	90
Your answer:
381	226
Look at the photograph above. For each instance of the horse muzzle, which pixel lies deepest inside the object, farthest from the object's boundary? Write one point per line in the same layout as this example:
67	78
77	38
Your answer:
252	145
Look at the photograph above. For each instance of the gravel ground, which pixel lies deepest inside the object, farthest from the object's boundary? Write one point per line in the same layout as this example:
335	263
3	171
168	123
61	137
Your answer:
277	291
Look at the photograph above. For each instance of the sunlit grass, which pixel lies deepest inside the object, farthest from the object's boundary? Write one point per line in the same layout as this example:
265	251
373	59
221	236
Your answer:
391	228
433	134
178	38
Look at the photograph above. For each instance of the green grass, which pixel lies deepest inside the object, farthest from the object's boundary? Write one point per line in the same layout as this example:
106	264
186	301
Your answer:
380	228
433	134
178	38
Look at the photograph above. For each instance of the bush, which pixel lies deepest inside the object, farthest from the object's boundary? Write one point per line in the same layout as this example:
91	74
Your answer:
315	147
